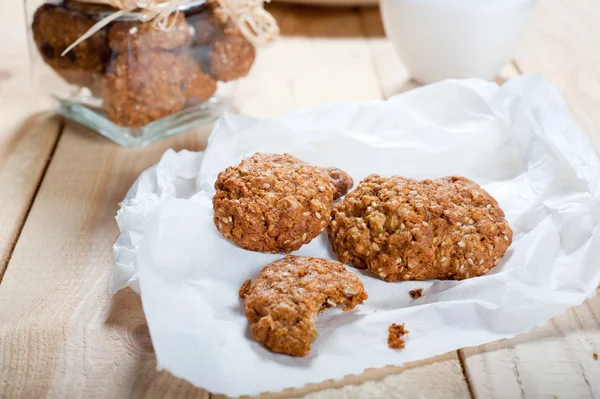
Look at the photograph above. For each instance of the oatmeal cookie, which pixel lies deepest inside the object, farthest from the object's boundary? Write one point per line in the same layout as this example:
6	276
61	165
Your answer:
220	43
283	302
405	229
210	21
143	87
416	293
231	57
395	334
54	29
273	203
198	86
135	36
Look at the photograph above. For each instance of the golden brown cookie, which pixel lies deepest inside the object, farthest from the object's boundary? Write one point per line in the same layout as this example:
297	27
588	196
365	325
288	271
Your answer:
198	86
54	29
283	302
143	87
205	23
136	36
209	21
230	57
273	203
405	229
220	43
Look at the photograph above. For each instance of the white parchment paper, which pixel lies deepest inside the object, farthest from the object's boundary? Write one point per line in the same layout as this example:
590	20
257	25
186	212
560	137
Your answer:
517	140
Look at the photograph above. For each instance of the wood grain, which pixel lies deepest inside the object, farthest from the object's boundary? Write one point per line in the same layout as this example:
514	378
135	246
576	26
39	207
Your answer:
27	133
23	160
63	336
554	360
431	378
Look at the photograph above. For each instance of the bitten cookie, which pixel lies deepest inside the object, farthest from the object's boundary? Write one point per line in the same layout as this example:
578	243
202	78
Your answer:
142	87
405	229
55	28
283	302
134	36
275	203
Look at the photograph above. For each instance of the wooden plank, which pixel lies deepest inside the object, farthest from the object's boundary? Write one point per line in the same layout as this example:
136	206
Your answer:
554	360
27	134
430	378
557	359
63	336
562	44
392	75
23	160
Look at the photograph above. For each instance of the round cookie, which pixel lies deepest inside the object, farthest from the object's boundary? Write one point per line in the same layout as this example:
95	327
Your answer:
283	302
205	23
198	86
134	36
273	203
54	29
231	57
209	21
405	229
142	87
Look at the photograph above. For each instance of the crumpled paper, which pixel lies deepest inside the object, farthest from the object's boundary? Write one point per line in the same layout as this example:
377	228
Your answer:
517	140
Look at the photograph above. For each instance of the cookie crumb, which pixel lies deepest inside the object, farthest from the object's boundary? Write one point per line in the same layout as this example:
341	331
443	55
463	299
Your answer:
595	356
396	331
416	293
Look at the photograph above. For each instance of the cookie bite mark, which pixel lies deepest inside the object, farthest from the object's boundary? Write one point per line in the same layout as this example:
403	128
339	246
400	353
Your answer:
283	302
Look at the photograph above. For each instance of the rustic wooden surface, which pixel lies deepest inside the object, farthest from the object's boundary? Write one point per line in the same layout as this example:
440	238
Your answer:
62	336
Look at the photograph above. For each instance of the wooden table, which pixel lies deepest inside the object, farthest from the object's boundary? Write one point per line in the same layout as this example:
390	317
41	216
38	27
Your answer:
61	336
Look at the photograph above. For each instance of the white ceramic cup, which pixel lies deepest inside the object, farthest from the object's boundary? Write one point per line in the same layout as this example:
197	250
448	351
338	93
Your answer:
440	39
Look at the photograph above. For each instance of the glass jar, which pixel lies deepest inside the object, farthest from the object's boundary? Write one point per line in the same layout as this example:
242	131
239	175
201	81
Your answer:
132	81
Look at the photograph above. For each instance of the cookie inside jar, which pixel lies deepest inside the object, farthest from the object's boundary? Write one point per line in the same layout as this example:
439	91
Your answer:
142	70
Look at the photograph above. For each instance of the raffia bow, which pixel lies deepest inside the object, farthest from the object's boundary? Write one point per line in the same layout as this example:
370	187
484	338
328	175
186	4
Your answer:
255	23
